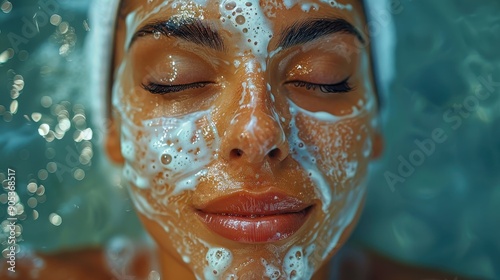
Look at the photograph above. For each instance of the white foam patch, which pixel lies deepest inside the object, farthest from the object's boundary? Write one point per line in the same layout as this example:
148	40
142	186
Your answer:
296	264
303	156
271	271
219	260
249	20
306	7
174	147
346	216
139	16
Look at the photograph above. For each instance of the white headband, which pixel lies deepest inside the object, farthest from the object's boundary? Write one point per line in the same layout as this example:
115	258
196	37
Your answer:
99	49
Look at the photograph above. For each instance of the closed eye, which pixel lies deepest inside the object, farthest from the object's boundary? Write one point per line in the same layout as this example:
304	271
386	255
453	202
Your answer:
342	87
165	89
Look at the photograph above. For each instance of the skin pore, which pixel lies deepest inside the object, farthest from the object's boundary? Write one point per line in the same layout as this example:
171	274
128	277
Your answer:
266	103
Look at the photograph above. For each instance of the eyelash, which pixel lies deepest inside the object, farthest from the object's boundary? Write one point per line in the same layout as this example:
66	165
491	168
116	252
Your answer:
164	89
342	87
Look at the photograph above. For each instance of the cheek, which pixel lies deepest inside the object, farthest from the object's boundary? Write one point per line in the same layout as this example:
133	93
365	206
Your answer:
331	151
164	160
341	149
336	153
169	153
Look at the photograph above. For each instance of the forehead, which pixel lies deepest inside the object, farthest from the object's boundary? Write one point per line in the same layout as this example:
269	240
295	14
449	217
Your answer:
277	12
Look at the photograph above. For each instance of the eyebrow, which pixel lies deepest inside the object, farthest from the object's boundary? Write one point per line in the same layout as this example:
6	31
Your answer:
196	31
189	29
310	30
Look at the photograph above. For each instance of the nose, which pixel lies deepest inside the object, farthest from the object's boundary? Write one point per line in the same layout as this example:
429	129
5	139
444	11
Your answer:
253	137
255	133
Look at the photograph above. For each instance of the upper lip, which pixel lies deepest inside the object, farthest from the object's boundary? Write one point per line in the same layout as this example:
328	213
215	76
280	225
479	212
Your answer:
252	204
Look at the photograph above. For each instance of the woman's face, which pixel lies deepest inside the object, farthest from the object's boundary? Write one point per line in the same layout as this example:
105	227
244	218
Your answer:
246	129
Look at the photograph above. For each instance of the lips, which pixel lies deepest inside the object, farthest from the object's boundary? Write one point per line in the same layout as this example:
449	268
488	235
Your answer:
254	218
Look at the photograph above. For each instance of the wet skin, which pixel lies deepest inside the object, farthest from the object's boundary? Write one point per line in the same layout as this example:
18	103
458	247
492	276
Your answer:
265	113
278	170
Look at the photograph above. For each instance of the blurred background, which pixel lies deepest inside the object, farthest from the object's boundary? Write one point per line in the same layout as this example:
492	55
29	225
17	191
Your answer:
434	197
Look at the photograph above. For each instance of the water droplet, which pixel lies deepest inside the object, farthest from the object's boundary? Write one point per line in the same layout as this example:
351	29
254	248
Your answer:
166	159
6	7
87	134
36	116
64	49
55	219
14	106
43	129
32	187
6	55
154	275
46	101
32	202
298	255
43	174
230	6
41	190
51	167
79	174
55	19
63	27
18	82
3	198
86	25
240	19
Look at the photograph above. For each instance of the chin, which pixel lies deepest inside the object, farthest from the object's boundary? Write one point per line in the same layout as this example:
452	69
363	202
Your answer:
183	237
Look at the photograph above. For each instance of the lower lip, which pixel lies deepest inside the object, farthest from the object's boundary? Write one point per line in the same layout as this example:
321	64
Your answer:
261	229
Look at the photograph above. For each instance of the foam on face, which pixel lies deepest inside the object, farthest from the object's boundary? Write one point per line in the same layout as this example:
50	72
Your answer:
165	150
249	20
306	7
345	217
250	100
271	271
296	264
185	8
306	155
219	260
166	156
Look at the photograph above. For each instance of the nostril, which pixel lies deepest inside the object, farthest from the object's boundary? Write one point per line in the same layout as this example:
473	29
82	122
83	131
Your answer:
236	153
275	153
